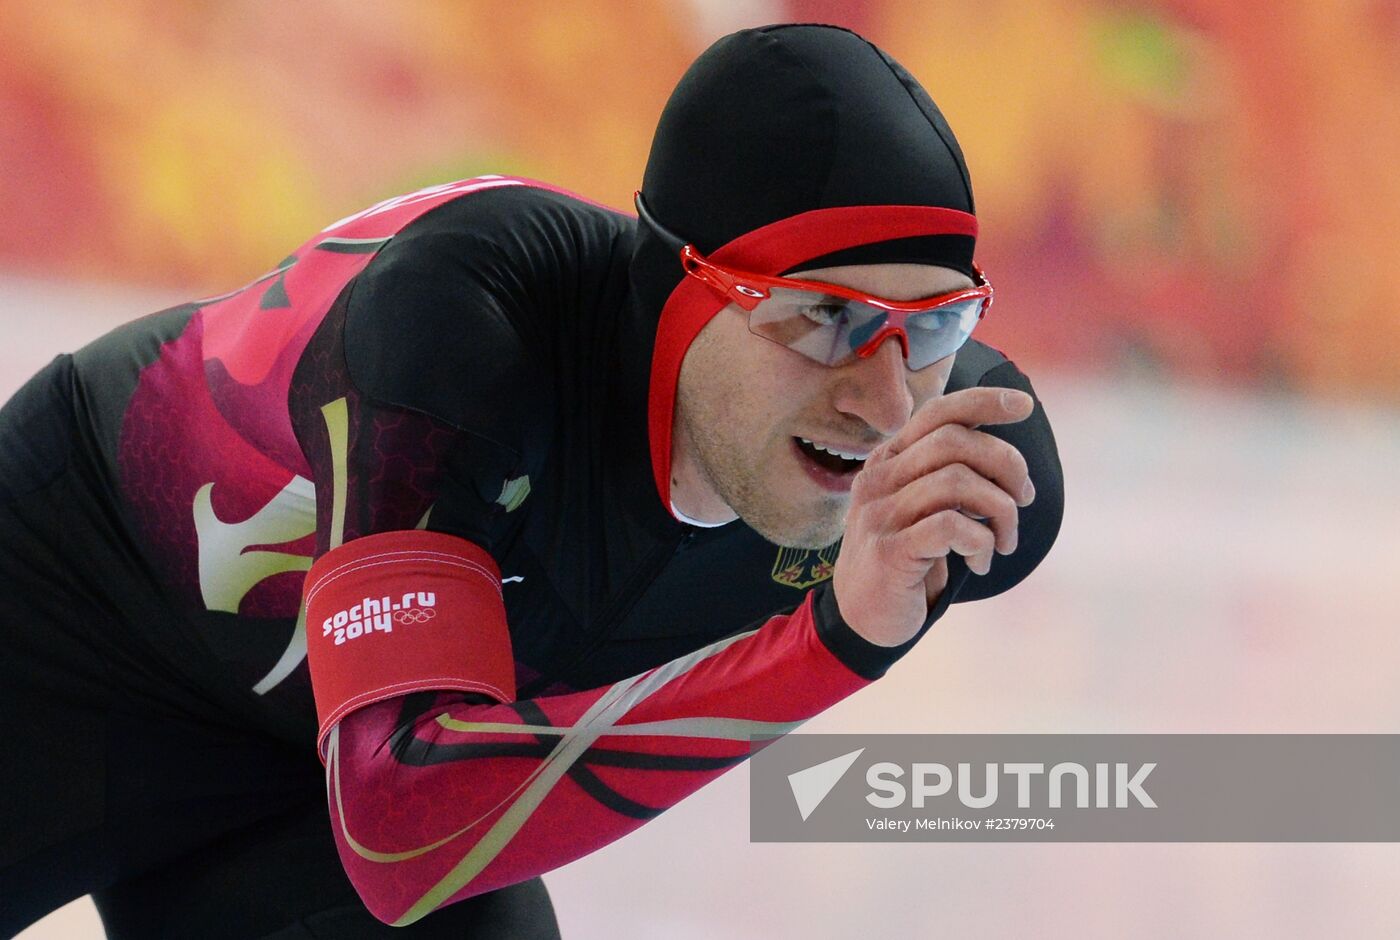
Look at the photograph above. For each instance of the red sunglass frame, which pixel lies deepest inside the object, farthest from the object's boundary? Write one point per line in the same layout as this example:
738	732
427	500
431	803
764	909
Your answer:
748	290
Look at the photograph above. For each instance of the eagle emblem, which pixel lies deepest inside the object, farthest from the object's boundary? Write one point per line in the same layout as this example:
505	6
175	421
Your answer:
803	567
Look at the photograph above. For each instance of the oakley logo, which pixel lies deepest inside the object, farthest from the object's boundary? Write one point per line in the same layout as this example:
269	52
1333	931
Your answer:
380	613
748	291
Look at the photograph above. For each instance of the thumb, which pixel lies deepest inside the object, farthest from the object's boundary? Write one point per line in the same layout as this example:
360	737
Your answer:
935	581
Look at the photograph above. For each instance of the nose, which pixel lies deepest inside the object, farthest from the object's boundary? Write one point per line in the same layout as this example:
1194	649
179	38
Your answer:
876	389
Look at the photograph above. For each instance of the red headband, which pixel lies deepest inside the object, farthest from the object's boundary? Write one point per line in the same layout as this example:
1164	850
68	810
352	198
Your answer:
773	248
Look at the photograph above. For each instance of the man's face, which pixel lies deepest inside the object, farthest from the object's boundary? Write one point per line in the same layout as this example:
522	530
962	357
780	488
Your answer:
745	405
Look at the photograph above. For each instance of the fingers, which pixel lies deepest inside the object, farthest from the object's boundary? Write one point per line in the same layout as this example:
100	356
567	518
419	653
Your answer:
969	407
959	488
935	581
933	537
950	444
938	487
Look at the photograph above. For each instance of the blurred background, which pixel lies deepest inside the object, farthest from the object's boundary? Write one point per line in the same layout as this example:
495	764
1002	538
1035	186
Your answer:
1191	211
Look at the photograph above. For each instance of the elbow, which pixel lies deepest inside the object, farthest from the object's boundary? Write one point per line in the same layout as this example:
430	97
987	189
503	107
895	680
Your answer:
386	853
370	838
376	882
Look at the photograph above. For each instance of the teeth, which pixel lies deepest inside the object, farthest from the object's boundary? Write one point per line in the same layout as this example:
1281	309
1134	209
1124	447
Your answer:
831	450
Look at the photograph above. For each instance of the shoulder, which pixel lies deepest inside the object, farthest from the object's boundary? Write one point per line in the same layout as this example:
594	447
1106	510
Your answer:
978	364
532	227
975	363
459	315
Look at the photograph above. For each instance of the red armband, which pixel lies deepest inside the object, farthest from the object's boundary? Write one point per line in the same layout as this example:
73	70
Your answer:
403	612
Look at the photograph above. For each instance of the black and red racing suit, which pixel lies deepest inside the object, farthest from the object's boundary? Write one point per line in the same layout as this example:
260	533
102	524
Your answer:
466	361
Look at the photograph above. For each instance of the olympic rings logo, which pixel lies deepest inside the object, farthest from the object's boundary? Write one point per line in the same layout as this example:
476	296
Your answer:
415	615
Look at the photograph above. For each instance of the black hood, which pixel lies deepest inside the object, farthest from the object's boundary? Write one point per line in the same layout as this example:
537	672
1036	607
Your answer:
802	143
772	122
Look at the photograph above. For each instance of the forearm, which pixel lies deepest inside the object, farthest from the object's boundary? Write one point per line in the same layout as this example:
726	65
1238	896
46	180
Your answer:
466	798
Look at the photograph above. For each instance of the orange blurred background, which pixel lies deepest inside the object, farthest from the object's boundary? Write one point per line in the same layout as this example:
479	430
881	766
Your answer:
1190	210
1182	185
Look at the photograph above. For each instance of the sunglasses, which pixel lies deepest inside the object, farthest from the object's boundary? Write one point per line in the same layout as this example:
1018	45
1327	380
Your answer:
835	325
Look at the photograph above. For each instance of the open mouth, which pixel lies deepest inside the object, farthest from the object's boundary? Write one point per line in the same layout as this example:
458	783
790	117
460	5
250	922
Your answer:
835	461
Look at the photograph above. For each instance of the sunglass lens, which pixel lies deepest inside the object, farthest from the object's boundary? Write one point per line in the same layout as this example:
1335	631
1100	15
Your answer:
941	332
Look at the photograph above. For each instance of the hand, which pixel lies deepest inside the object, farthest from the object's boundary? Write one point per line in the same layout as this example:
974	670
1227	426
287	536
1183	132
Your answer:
938	486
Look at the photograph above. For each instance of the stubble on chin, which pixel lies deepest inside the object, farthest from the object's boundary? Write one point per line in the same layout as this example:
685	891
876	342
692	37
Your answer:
781	517
824	525
712	416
